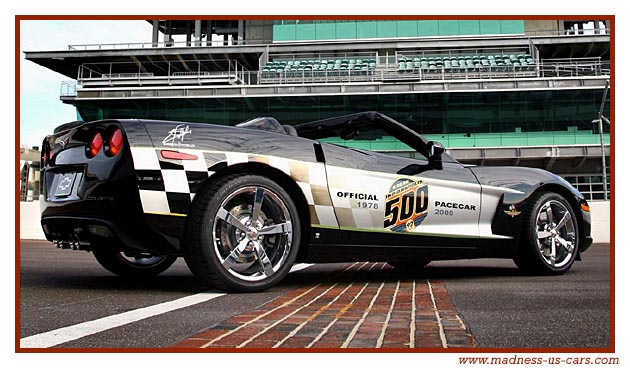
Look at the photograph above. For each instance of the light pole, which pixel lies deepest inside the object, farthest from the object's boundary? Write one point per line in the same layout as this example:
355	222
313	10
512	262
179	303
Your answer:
600	120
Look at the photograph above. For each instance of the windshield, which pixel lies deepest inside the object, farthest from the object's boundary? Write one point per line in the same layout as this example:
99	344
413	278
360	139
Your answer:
375	140
369	130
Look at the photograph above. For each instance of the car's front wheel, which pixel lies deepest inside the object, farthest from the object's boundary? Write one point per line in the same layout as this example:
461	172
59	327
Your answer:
244	234
550	237
133	265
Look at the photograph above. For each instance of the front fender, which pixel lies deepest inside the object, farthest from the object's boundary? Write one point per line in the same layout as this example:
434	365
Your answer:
508	219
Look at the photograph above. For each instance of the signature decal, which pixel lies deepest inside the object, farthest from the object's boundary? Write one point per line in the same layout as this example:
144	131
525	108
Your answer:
175	137
406	205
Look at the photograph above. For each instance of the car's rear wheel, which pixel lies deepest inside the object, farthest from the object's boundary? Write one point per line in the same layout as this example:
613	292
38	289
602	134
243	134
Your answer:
244	234
133	265
550	237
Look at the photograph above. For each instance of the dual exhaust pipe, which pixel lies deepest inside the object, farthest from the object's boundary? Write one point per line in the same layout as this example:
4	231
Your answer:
74	243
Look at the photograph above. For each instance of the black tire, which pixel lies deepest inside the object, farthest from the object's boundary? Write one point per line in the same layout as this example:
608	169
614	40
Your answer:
129	265
550	239
227	249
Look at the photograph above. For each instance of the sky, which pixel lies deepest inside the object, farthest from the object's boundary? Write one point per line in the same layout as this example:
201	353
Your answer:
41	110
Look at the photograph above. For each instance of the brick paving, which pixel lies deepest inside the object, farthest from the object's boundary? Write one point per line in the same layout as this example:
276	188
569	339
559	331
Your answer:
361	305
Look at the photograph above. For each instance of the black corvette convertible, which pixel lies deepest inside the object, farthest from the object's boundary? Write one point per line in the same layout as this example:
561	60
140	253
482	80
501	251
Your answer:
242	204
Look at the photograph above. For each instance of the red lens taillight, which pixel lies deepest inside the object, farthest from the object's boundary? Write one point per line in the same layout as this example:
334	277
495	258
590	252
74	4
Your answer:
174	155
96	144
115	142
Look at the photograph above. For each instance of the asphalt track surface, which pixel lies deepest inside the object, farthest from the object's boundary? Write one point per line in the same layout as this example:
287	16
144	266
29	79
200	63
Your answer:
498	306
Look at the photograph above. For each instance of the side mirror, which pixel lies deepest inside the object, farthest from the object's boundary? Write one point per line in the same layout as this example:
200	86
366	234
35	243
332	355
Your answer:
436	149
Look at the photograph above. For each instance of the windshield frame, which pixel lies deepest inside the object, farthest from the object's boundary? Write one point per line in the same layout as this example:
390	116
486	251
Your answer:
363	121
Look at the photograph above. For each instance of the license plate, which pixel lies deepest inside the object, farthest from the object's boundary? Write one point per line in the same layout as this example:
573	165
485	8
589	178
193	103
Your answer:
64	185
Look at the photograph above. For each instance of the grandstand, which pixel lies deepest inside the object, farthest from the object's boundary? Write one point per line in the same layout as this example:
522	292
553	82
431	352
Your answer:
495	92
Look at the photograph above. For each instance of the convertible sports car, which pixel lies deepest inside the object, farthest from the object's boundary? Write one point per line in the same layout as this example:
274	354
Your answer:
242	204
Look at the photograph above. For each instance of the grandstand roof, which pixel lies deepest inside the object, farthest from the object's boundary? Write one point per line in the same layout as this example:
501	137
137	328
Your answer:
67	62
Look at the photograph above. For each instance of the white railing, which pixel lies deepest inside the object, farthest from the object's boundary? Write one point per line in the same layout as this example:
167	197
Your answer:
236	42
574	67
166	44
203	71
68	89
112	74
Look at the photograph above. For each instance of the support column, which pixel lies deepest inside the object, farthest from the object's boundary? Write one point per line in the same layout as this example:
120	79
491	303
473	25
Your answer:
156	33
208	33
225	40
197	33
188	33
168	37
241	32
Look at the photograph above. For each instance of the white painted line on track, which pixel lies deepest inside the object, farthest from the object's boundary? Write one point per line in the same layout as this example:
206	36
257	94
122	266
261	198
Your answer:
65	334
300	266
74	332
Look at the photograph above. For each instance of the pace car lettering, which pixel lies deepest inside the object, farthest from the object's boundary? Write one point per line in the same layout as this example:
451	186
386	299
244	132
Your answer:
360	196
457	206
406	205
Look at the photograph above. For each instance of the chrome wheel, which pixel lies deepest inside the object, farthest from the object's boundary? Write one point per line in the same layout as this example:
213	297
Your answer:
252	233
555	234
550	241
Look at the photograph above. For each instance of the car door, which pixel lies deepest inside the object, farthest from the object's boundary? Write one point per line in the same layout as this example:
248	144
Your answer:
381	194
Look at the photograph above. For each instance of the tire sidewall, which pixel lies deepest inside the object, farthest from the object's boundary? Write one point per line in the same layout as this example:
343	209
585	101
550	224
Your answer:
207	239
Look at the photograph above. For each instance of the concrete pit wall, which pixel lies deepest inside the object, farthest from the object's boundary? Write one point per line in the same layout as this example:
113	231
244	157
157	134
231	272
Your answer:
30	227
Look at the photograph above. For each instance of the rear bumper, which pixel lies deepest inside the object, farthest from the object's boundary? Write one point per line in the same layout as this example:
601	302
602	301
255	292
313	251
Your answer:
116	222
102	208
587	239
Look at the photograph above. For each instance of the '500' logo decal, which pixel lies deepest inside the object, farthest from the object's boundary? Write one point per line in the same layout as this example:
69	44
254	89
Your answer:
406	205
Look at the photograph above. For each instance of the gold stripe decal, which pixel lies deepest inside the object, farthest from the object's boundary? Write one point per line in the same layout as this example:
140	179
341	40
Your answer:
167	214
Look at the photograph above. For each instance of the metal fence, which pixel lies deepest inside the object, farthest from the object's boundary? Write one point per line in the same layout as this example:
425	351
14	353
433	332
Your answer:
237	42
68	89
204	72
182	72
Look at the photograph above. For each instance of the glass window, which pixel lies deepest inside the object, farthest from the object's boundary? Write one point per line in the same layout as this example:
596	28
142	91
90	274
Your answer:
590	186
372	140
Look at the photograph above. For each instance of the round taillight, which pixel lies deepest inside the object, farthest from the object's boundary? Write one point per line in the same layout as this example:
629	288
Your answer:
96	144
115	142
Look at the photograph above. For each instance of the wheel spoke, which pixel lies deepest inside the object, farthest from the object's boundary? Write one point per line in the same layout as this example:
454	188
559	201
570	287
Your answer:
555	234
258	200
233	256
563	221
230	219
552	256
263	259
282	228
549	215
567	244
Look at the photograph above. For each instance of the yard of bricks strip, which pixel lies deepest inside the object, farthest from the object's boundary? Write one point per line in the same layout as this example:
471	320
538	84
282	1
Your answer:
360	305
